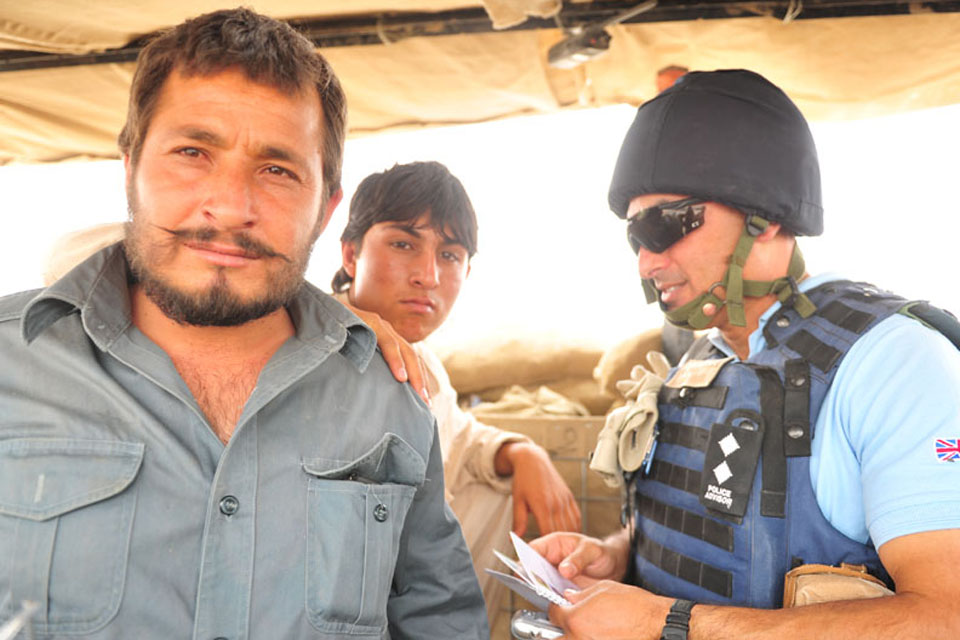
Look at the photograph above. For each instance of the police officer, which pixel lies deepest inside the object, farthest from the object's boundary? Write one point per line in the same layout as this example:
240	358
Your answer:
812	425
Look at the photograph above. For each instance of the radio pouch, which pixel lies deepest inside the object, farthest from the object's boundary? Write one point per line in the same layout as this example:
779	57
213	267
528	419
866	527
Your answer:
813	583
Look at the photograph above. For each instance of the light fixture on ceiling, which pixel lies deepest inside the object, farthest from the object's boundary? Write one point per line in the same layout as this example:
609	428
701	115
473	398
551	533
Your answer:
587	42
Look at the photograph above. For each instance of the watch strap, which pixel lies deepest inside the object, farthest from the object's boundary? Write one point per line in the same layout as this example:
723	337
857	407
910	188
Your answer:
678	620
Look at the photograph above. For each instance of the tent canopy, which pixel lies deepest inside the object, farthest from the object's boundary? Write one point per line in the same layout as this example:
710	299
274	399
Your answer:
66	65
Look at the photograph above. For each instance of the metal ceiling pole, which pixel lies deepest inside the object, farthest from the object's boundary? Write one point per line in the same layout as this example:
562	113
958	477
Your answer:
374	29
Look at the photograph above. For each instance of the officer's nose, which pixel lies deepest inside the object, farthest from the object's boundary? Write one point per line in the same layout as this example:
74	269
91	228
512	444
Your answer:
649	263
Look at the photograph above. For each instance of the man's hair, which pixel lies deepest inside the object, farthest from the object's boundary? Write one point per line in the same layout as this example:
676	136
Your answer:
268	51
404	193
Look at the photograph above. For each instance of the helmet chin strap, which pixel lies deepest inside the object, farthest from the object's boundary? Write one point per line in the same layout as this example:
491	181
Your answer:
692	314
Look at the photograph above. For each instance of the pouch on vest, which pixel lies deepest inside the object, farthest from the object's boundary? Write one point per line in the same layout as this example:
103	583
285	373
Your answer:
697	374
814	583
733	451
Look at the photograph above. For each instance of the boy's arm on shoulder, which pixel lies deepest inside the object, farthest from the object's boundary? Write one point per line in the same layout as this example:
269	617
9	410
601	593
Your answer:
401	357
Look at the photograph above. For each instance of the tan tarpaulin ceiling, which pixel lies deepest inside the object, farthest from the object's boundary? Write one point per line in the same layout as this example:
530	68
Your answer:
835	68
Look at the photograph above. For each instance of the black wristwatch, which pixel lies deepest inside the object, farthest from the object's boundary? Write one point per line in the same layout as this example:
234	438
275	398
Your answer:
678	621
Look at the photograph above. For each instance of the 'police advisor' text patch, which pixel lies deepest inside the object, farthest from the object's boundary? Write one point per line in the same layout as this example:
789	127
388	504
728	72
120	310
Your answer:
729	467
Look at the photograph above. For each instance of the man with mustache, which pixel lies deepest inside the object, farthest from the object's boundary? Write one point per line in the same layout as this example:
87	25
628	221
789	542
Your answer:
196	442
812	433
407	247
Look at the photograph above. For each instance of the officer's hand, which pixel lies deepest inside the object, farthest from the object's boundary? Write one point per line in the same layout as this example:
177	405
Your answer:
538	489
611	611
582	559
403	361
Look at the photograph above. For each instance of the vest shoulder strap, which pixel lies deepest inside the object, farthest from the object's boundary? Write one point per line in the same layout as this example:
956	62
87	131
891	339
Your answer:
935	318
702	349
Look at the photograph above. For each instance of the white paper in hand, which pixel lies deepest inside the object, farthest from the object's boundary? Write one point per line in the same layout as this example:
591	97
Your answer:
537	566
537	580
510	562
522	588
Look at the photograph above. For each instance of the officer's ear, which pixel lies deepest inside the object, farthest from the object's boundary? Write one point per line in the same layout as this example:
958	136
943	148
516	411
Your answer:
769	233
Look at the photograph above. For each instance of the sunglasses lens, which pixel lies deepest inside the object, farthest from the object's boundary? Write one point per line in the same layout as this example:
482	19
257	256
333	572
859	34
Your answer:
657	228
653	231
633	239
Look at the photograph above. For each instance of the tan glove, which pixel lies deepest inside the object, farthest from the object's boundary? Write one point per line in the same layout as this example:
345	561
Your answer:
628	434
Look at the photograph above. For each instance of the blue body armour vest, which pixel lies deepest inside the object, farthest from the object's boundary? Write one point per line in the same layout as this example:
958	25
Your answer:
727	506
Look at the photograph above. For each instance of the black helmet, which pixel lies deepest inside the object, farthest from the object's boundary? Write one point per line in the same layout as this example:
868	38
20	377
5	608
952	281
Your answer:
729	136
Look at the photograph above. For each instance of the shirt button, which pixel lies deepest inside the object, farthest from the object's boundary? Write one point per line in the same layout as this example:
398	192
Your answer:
380	512
229	505
783	322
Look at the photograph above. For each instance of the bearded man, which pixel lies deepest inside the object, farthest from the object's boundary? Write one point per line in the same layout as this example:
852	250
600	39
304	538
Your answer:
196	443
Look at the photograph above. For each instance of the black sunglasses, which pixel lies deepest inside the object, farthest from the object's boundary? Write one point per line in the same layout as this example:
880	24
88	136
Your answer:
658	227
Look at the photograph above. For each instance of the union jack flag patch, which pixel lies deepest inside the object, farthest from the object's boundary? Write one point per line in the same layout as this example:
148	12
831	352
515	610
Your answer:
948	449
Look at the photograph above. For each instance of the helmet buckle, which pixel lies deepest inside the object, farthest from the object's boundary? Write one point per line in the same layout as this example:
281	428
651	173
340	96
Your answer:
756	225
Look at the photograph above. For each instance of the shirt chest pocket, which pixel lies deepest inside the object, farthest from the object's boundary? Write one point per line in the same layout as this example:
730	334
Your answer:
355	516
66	509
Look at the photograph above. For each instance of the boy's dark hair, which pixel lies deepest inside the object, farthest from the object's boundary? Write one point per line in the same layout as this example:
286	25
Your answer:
266	50
404	193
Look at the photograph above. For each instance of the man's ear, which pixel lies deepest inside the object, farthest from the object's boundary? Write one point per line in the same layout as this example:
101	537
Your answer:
468	269
769	233
349	252
127	170
328	210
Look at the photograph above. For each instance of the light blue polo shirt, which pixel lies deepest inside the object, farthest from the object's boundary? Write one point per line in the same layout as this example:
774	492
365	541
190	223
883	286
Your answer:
874	464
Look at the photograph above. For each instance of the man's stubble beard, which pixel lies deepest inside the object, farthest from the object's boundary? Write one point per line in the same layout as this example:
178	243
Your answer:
218	305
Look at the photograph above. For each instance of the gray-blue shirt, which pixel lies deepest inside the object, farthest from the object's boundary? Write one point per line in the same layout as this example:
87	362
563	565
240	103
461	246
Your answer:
124	516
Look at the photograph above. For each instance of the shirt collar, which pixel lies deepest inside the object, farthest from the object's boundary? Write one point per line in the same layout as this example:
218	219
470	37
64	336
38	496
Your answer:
429	359
757	341
325	323
98	289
